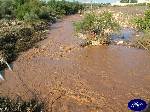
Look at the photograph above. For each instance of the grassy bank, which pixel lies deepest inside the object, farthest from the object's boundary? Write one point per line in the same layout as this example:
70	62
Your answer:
18	36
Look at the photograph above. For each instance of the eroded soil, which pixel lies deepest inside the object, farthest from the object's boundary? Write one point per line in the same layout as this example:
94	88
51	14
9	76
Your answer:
74	79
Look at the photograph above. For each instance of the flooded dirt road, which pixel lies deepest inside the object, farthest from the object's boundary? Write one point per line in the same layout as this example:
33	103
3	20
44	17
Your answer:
73	79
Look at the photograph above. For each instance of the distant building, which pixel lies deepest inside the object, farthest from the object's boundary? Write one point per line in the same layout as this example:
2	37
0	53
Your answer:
124	4
143	1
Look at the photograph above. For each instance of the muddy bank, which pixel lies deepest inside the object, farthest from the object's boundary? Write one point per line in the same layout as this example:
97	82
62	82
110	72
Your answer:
73	79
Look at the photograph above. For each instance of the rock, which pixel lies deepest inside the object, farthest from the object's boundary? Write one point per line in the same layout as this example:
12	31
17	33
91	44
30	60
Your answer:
82	36
120	42
83	43
95	43
66	48
137	35
1	77
61	48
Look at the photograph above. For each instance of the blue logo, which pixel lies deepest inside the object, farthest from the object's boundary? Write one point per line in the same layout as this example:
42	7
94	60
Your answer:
137	105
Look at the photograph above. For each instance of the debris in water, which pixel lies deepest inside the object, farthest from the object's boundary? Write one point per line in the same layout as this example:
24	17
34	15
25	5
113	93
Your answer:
95	43
2	60
8	66
1	76
120	42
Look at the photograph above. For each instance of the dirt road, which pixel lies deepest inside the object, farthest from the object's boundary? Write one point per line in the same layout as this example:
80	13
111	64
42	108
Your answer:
74	79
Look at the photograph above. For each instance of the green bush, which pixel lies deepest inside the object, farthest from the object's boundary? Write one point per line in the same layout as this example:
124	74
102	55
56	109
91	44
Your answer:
30	16
64	7
44	13
96	23
36	9
143	42
47	13
86	24
7	9
28	10
97	26
143	23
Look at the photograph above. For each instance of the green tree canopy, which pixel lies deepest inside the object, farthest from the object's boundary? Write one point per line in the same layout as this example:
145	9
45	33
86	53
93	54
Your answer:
37	9
128	1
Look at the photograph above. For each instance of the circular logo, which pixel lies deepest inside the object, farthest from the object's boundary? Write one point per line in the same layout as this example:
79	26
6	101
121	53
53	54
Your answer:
137	105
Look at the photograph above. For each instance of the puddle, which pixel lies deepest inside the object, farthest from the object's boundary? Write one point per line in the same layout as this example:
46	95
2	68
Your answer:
125	34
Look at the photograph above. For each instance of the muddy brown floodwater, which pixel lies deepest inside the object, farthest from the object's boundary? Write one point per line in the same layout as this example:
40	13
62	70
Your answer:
73	79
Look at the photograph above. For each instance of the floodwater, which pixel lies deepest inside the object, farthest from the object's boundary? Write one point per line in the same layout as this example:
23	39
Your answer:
74	79
124	34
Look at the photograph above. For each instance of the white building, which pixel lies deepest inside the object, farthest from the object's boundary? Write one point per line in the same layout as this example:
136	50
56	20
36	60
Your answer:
143	1
123	4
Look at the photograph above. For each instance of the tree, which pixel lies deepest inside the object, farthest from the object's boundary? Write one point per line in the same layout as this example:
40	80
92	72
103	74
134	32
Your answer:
133	1
128	1
6	8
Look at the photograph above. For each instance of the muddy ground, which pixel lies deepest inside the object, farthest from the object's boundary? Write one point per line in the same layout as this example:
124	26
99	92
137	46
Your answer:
74	79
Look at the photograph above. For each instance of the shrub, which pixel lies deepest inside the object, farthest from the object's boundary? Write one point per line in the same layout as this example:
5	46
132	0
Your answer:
143	42
86	24
30	16
97	26
47	13
64	7
29	9
143	24
36	9
7	9
44	13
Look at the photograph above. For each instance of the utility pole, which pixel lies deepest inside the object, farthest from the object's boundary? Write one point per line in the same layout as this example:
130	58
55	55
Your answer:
129	1
91	4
